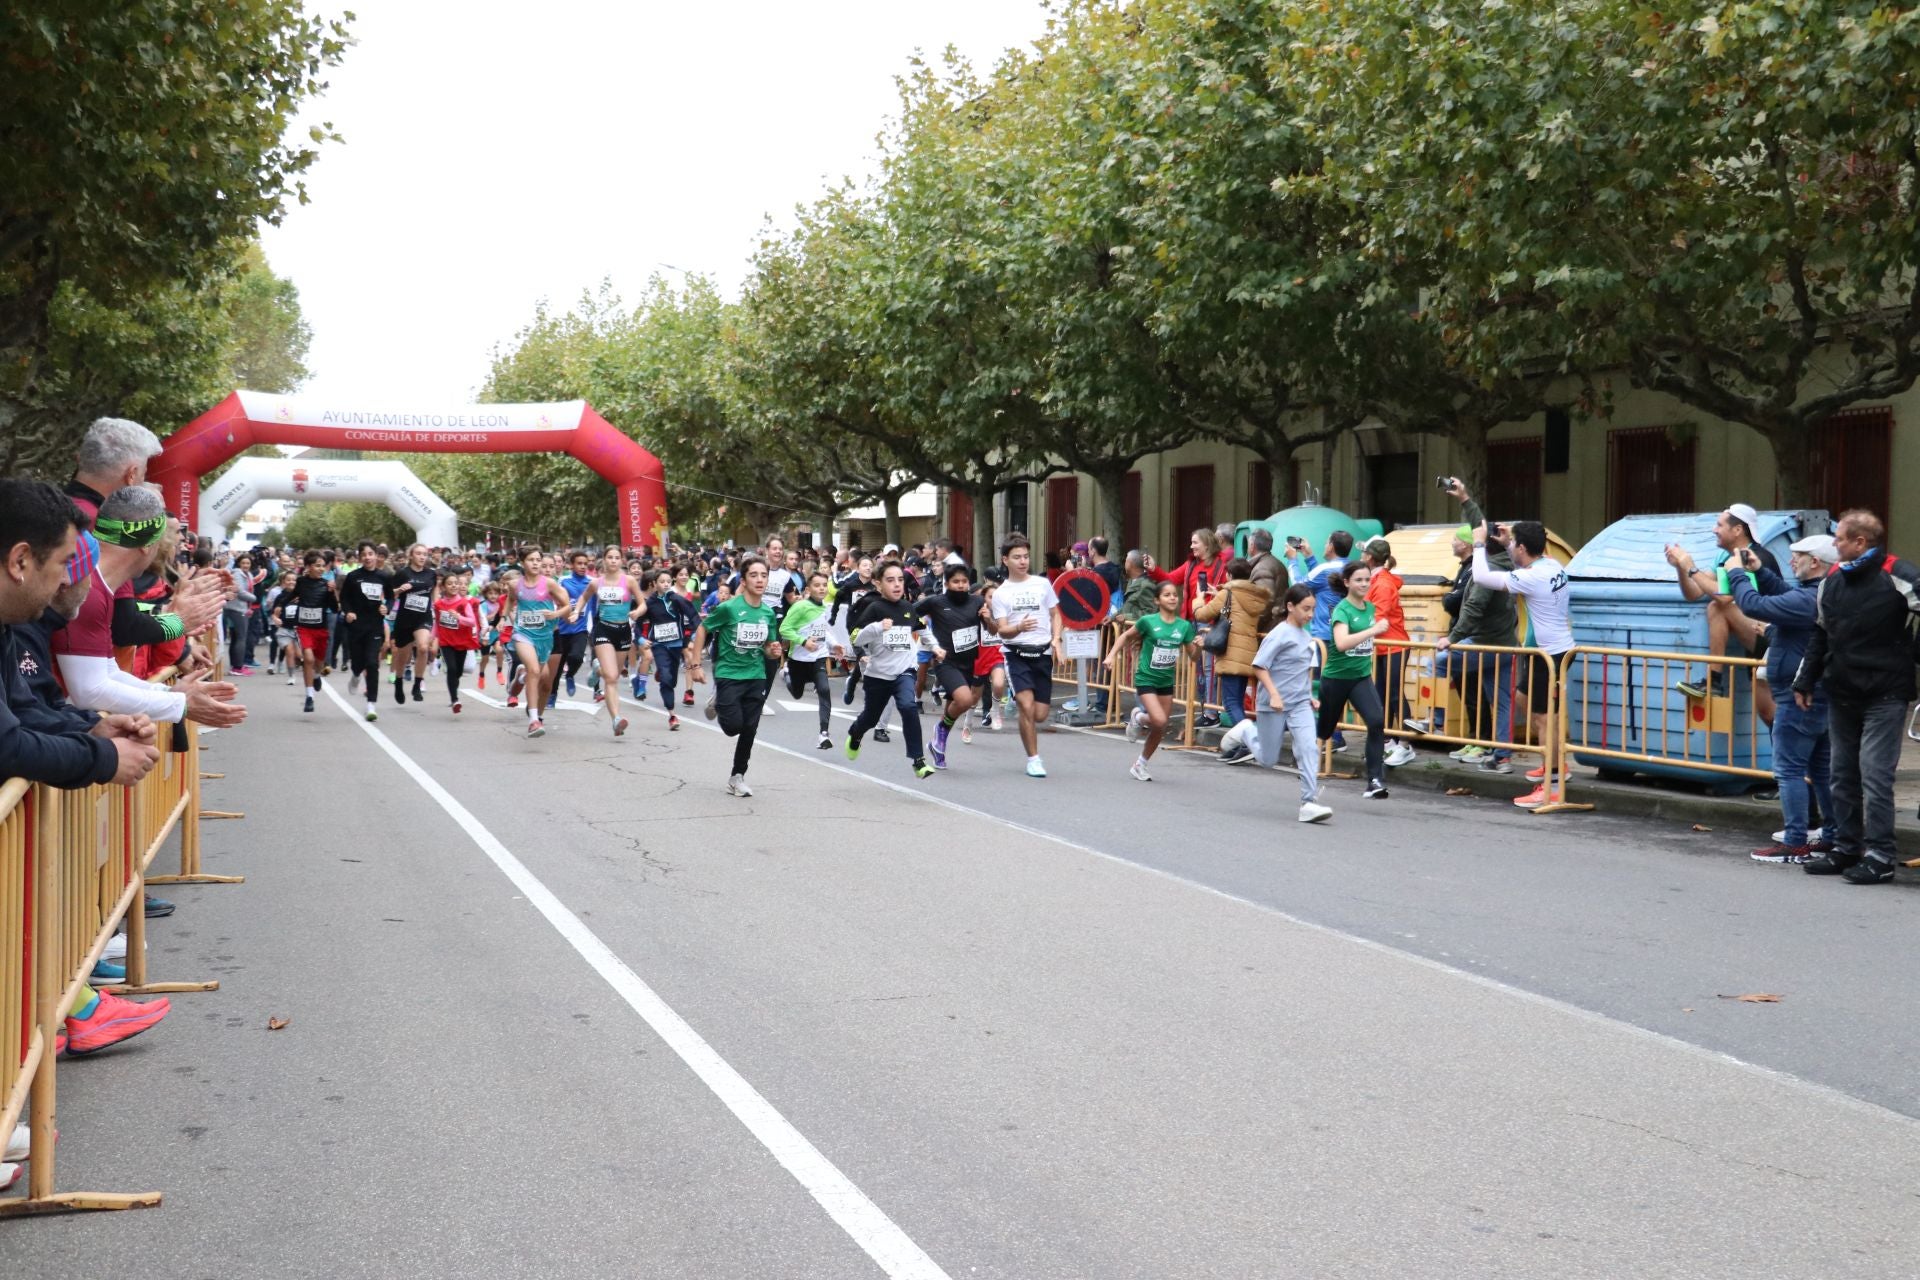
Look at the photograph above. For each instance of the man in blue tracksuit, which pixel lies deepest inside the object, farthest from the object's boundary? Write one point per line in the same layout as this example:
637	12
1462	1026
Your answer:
1800	748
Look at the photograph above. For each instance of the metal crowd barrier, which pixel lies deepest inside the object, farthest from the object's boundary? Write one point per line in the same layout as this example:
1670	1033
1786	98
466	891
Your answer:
72	866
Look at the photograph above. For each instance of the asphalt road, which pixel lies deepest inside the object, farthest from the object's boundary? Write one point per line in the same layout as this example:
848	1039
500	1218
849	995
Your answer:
565	1007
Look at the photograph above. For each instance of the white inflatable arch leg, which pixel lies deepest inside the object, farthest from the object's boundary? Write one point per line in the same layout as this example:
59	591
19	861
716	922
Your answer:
391	483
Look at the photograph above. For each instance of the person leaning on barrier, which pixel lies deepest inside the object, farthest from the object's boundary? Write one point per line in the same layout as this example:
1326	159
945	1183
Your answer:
1864	645
39	743
1800	749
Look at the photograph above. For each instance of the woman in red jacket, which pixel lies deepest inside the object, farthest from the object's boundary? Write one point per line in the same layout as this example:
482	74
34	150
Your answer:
1205	569
1390	662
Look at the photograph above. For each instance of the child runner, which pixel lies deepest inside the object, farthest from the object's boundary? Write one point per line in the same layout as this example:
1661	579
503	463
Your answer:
413	591
805	634
538	601
1348	676
489	614
989	672
741	629
614	595
955	619
571	635
456	629
1284	701
366	596
1161	639
670	619
308	606
883	631
1026	614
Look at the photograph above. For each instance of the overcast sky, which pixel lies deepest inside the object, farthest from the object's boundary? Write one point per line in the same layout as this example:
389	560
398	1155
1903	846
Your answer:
500	153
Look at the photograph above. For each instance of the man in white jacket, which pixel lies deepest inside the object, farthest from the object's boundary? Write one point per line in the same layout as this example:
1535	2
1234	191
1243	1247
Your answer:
130	521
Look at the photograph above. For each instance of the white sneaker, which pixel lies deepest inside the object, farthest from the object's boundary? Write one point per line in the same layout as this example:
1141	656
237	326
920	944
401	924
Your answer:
1813	834
289	679
1139	771
1399	753
1417	725
1376	790
737	786
713	708
1311	812
1035	769
766	710
20	1143
1136	723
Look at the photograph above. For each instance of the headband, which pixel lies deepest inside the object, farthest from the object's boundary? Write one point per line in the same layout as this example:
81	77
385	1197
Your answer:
130	533
86	554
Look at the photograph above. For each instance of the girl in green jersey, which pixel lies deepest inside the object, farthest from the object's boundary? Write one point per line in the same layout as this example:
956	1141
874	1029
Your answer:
1348	676
1161	639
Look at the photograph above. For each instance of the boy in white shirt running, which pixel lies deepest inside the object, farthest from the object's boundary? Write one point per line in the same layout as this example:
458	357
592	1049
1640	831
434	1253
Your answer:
1026	615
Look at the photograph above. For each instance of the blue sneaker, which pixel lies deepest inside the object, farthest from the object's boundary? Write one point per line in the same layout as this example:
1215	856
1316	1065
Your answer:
155	907
940	746
640	687
106	973
569	689
553	698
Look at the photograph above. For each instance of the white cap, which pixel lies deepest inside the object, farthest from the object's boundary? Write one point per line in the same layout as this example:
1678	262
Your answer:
889	547
1745	515
1820	547
953	557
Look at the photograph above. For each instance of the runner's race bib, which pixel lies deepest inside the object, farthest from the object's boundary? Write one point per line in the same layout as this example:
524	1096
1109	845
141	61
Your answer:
899	639
613	595
450	620
1361	650
666	632
817	631
373	591
530	618
965	638
1164	656
310	615
749	635
419	602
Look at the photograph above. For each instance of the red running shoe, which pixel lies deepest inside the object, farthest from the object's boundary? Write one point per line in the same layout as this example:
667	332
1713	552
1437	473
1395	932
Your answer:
113	1020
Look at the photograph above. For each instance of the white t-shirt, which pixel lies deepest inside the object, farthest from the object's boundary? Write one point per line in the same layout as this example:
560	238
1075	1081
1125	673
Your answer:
1543	584
1032	601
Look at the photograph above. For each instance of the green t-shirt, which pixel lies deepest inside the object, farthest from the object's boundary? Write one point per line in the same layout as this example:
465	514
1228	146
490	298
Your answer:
1357	662
742	632
1160	645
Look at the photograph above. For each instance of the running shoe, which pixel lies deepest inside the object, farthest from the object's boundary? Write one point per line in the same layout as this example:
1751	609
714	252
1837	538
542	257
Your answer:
535	729
921	769
112	1020
599	696
106	973
640	687
713	707
309	705
1869	870
240	671
116	948
1376	790
1311	812
1035	769
1469	755
1815	835
570	688
1829	864
1534	798
1537	774
1242	756
673	721
375	715
966	728
512	701
826	742
289	677
687	699
553	700
1777	852
481	683
766	711
325	670
1399	753
1491	763
737	786
316	684
853	748
939	746
9	1174
1137	770
989	722
1136	724
846	695
881	735
1418	725
154	908
619	726
20	1145
399	690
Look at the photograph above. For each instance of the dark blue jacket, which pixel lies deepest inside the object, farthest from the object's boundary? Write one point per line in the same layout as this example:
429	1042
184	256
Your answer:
1793	610
39	743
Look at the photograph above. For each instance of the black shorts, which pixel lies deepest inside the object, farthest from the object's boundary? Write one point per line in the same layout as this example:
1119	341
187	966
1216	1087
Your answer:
1031	673
619	635
1535	679
405	624
953	675
570	646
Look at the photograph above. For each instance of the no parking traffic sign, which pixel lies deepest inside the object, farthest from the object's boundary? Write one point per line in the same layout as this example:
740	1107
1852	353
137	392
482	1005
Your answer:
1084	599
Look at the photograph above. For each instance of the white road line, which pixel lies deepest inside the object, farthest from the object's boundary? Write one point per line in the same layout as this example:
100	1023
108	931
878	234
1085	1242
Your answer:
1826	1092
845	1203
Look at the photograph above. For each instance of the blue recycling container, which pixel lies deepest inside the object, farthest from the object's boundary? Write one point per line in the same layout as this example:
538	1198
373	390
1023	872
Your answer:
1625	596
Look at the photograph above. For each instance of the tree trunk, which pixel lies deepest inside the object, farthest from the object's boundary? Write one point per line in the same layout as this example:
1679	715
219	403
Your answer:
1111	520
1279	461
1327	448
892	501
1792	446
985	553
1470	464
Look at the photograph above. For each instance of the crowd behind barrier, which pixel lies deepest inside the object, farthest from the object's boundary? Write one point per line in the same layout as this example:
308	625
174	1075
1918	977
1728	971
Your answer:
73	868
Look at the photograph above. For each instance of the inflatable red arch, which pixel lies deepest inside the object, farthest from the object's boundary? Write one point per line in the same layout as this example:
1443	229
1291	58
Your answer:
251	417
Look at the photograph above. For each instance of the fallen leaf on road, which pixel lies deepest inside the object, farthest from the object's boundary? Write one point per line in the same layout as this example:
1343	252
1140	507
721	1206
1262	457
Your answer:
1686	1011
1755	997
1459	791
1698	827
275	1024
1913	862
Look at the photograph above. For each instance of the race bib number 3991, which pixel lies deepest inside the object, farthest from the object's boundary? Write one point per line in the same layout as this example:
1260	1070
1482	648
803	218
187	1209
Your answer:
750	635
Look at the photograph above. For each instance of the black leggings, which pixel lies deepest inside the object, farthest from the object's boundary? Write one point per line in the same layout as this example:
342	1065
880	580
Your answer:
363	652
740	702
456	664
802	674
1335	694
899	690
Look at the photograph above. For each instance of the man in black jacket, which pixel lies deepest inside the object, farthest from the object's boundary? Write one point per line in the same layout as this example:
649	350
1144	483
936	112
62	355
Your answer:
38	525
1862	652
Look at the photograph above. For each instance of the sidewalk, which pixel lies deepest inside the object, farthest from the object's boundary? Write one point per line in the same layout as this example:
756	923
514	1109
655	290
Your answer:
1739	817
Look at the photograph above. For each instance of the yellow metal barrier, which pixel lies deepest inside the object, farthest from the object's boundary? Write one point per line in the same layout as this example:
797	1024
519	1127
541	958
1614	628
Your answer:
72	867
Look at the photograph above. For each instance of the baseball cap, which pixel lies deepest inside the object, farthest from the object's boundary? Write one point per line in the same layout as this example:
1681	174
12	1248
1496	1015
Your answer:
1079	548
86	554
1380	548
1820	547
1745	514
